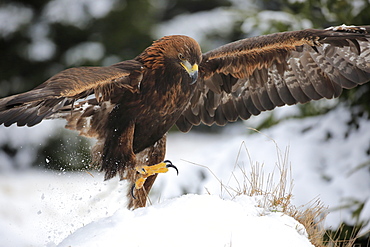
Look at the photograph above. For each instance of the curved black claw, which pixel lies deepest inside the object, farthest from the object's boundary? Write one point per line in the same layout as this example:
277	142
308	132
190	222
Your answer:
149	171
132	191
169	164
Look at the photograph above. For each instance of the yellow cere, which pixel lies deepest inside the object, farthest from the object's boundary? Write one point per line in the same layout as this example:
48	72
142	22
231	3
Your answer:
189	68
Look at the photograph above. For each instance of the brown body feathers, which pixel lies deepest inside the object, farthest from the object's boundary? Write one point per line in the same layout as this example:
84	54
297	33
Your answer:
131	105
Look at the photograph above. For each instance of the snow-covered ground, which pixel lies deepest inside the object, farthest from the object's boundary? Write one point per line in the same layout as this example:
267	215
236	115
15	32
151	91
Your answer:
40	207
194	220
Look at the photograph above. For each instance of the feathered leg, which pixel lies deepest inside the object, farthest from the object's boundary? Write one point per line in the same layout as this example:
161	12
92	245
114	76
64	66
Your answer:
149	156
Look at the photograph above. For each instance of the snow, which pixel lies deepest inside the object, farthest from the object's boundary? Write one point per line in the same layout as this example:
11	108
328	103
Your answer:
202	23
57	203
12	17
264	20
78	209
41	47
193	220
77	13
84	51
320	168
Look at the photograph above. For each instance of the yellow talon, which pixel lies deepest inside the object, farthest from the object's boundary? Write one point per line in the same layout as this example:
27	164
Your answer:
146	171
140	182
150	170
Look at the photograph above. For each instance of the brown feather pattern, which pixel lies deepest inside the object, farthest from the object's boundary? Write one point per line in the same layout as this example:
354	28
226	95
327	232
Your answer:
258	74
129	106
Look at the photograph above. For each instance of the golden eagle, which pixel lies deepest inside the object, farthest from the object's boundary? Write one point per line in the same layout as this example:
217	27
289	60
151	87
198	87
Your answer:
129	106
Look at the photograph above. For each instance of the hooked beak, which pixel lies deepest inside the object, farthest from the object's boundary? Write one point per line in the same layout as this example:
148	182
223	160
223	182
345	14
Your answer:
194	77
192	70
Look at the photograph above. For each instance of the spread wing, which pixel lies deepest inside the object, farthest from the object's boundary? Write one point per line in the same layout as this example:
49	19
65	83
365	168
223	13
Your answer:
73	94
248	76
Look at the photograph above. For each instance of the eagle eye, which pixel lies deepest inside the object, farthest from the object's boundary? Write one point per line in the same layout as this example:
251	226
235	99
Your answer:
181	57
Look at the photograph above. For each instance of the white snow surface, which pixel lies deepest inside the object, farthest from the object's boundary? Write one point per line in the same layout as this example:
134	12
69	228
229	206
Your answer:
46	208
193	220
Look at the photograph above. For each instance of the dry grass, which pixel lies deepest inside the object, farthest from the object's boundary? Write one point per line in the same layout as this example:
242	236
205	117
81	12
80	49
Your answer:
275	189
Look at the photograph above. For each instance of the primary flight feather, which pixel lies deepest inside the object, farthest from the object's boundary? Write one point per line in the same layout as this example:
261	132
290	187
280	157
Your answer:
129	106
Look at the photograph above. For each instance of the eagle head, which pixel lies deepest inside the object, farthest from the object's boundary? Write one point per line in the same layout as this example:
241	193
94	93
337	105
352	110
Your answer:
175	52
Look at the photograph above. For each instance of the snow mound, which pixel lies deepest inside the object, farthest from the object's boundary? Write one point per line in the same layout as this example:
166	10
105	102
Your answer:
193	220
